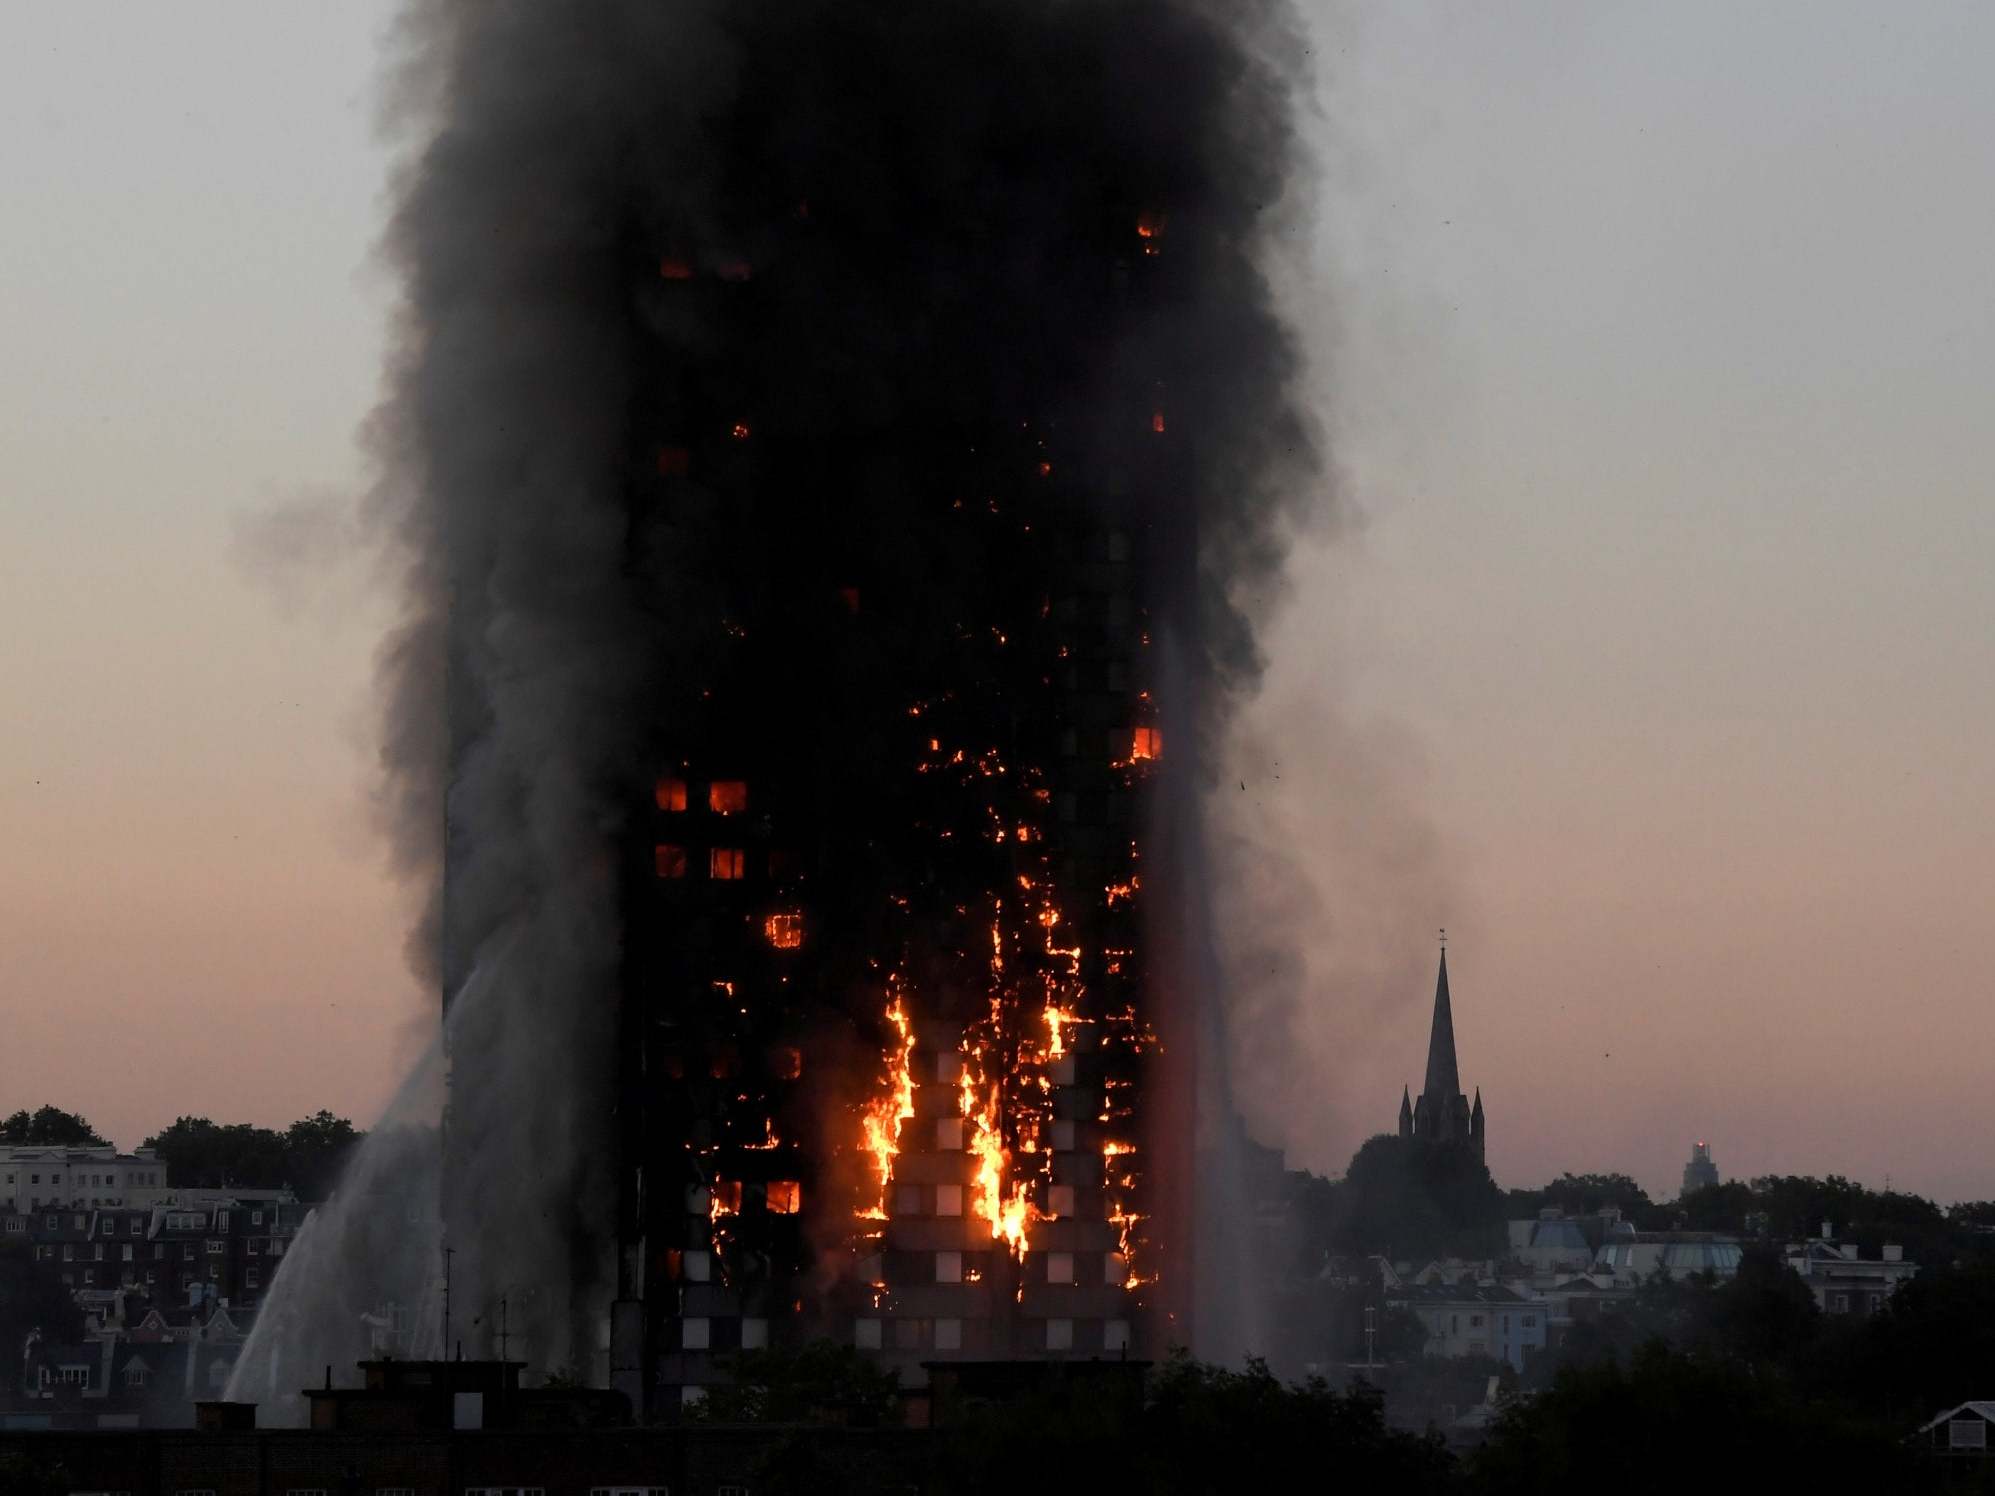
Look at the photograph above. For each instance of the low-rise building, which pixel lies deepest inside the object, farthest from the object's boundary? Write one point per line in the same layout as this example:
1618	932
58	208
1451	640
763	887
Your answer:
1628	1254
1476	1320
1961	1432
1842	1280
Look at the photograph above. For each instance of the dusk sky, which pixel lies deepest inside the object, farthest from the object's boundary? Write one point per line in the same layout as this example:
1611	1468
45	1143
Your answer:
1654	657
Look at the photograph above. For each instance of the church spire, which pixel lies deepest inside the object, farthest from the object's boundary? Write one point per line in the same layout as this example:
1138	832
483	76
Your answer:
1444	1080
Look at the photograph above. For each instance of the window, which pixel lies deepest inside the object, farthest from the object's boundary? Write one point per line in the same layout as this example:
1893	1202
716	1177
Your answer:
1060	1200
1967	1433
196	1491
671	794
256	1218
110	1226
730	1491
394	1491
216	1248
252	1279
16	1224
1063	1136
949	1135
52	1223
1475	1321
866	1334
1530	1321
68	1252
727	864
497	1491
726	797
1146	742
613	1491
136	1375
307	1491
948	1267
695	1334
1839	1303
1115	1335
73	1376
138	1226
754	1334
784	931
786	1197
669	861
254	1247
128	1252
1059	1267
949	1334
1059	1334
697	1267
948	1199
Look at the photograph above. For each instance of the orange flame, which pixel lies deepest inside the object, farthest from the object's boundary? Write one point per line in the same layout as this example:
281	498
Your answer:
886	1115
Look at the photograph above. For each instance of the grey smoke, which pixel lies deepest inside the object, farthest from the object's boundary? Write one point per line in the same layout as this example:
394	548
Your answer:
521	682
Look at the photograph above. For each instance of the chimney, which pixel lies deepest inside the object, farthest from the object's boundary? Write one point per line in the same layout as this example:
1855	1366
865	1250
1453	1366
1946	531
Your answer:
1828	1230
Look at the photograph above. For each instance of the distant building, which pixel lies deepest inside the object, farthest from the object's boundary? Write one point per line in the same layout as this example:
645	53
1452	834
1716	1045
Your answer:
1554	1242
1627	1254
1843	1281
1960	1432
1475	1319
1442	1114
1700	1173
31	1177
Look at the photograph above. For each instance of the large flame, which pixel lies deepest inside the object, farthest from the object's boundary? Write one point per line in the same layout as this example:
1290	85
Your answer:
894	1107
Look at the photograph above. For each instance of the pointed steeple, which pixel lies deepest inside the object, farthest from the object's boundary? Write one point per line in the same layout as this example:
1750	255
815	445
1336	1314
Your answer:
1444	1080
1405	1113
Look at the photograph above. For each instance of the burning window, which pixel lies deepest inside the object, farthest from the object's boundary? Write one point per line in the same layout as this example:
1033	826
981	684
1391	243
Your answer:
673	268
670	794
724	1197
726	797
787	1062
1147	742
1150	229
786	1197
669	861
784	931
727	863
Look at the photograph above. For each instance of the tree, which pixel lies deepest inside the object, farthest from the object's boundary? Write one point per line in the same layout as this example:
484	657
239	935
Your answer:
50	1127
819	1382
1408	1198
316	1149
200	1154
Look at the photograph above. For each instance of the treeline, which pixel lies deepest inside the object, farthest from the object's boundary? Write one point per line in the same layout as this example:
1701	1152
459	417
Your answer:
1715	1405
307	1156
1405	1200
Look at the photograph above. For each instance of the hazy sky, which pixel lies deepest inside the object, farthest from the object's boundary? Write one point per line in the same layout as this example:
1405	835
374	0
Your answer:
1656	342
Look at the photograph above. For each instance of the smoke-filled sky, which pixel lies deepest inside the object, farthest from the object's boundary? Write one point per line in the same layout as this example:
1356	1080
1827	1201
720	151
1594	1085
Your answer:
1654	343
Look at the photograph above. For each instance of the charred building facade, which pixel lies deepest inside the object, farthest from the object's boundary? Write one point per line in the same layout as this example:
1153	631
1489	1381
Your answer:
885	1011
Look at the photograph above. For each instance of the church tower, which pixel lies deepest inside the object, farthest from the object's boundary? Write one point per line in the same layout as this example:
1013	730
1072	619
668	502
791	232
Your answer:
1443	1114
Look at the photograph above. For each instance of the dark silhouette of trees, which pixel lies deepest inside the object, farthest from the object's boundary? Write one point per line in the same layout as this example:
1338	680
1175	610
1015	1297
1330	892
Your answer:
1405	1198
49	1127
307	1156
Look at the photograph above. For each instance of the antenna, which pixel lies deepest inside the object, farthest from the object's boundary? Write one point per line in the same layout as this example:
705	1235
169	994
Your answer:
448	1253
1444	939
503	1336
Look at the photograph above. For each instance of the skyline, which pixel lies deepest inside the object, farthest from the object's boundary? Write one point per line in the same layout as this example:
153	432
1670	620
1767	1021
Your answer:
1654	669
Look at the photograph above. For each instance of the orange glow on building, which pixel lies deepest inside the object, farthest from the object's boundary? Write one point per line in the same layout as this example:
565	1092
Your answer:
669	861
727	797
784	931
671	794
727	864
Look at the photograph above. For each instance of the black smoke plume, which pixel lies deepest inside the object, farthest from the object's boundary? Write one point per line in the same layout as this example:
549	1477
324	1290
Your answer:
711	305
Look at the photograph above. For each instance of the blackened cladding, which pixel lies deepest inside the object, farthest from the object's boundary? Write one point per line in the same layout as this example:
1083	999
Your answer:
771	369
